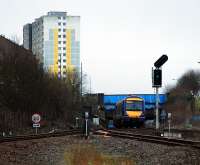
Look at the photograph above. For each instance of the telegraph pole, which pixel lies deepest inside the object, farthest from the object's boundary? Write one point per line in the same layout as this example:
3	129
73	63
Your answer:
81	84
157	83
81	79
90	85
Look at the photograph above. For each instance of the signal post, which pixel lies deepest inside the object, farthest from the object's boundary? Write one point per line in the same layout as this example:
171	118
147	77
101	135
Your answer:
157	83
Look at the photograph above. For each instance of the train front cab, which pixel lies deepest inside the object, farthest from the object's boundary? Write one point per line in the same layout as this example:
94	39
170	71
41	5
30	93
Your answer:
130	112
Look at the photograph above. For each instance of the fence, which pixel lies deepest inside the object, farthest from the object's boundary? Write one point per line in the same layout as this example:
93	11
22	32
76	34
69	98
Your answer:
21	122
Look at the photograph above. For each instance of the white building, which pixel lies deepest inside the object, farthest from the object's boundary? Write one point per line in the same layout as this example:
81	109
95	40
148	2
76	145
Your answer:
56	41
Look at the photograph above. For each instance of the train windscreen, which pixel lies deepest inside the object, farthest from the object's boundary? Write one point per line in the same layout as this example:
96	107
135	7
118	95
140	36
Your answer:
134	105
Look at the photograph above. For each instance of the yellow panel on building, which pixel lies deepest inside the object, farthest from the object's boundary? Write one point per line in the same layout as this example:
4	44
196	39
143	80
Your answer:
55	60
68	46
70	67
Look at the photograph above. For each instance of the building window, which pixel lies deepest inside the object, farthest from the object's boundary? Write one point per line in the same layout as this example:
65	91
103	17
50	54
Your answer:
59	23
59	42
64	54
64	48
64	18
64	60
64	36
59	36
59	48
59	17
64	42
64	23
64	66
64	30
59	30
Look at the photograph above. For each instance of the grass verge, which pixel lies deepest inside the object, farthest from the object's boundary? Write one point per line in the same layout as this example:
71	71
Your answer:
88	155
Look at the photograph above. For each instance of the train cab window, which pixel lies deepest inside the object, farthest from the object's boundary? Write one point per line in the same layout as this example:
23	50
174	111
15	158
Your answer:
132	106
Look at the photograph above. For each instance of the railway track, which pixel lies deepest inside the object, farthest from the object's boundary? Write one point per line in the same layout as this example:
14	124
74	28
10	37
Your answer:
40	136
146	131
150	138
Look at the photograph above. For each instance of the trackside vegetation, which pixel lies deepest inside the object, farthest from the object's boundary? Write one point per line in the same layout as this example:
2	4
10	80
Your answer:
26	88
183	98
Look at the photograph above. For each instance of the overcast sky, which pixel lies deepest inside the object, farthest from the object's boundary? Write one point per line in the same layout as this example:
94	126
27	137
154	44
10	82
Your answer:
121	39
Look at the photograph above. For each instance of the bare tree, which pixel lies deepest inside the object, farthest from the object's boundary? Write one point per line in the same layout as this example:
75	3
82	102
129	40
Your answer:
181	97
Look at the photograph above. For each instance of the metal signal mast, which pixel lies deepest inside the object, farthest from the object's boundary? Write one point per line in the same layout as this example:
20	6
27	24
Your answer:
157	82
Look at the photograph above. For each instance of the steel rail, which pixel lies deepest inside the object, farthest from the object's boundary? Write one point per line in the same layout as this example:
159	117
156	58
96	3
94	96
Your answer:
40	136
150	138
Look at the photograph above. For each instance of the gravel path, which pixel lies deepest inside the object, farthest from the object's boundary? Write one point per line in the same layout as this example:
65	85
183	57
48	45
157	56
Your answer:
51	151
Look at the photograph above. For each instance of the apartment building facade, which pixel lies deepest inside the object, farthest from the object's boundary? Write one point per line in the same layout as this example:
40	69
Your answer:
55	40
